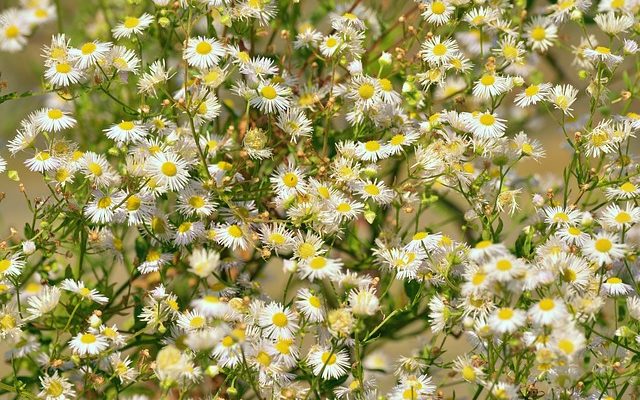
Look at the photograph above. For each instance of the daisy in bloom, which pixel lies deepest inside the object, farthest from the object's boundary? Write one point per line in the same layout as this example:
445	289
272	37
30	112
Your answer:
541	33
63	73
562	97
80	289
437	52
55	387
604	248
96	168
567	342
548	311
486	125
53	120
203	262
412	387
14	30
295	123
330	45
203	53
126	132
490	85
376	191
504	269
329	363
44	302
124	60
153	261
617	218
43	161
626	190
438	12
533	94
90	53
187	232
132	26
310	305
101	208
364	302
602	54
278	321
365	91
371	150
276	237
319	267
192	320
88	344
507	320
271	97
573	235
232	236
11	265
561	216
288	181
168	170
614	286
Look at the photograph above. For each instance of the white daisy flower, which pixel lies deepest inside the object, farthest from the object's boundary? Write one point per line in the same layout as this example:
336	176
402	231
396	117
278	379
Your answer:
132	26
232	236
614	287
548	311
63	74
203	262
310	305
202	52
80	289
438	12
532	94
486	125
53	120
319	268
126	132
55	387
277	321
90	53
506	320
88	344
604	248
169	170
271	97
328	363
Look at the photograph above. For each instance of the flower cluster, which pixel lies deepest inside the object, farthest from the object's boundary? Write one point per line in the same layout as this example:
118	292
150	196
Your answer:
260	198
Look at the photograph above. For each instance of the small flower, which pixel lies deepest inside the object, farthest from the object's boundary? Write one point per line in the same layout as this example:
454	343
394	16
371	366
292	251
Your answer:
203	53
88	344
80	289
328	363
132	26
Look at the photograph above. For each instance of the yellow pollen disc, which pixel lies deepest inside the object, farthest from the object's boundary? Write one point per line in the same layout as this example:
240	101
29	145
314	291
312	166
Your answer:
628	187
126	125
88	48
328	358
203	48
212	299
318	263
504	265
133	203
478	278
574	231
527	149
438	7
55	389
131	22
510	52
197	322
280	319
468	373
372	145
87	338
169	169
560	217
85	292
196	202
603	245
532	90
314	301
95	169
487	80
235	231
283	346
290	179
397	140
617	4
505	314
614	280
566	346
487	119
623	217
331	42
227	341
184	227
385	84
324	192
546	304
263	358
439	50
419	236
43	156
306	250
11	32
4	265
104	202
603	50
483	244
366	91
277	238
538	33
371	189
54	114
269	92
343	208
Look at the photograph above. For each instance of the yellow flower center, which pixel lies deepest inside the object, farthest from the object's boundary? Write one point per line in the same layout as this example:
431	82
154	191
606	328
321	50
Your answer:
483	244
487	80
280	319
331	42
88	48
603	245
133	203
328	358
623	217
439	50
438	7
126	125
131	22
168	169
538	33
343	207
318	263
314	301
478	278
88	338
366	91
614	280
234	231
372	145
184	227
566	346
603	50
197	322
306	250
560	217
104	202
269	92
203	48
290	179
628	187
505	314
55	389
263	358
385	84
504	265
54	114
196	202
468	373
487	119
371	189
95	169
532	90
547	304
11	32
